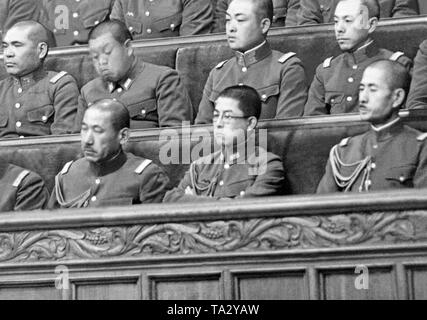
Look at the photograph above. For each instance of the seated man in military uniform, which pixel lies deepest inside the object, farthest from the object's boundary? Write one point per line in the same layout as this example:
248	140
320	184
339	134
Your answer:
71	21
240	168
107	176
322	11
335	86
21	189
285	14
390	155
279	78
417	98
164	18
33	101
154	95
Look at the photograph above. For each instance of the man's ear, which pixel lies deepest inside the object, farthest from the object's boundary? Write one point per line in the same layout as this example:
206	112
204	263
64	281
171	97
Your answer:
265	25
128	45
399	96
252	123
372	24
124	136
43	50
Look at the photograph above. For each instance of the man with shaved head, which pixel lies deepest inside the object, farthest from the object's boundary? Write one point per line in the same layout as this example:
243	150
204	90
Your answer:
33	101
106	175
322	11
390	155
279	78
334	89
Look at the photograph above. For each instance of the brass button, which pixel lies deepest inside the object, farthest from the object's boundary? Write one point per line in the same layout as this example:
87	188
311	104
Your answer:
98	181
221	183
18	105
93	199
20	90
148	31
244	69
349	99
18	124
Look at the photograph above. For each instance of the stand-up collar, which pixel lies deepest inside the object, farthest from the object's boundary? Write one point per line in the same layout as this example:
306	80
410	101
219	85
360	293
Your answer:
254	55
367	51
387	130
128	80
29	80
110	166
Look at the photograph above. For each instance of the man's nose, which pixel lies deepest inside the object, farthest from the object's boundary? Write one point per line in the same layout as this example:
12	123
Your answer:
87	138
8	52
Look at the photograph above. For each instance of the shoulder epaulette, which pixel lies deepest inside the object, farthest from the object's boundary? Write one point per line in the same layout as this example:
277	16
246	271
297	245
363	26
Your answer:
66	167
142	166
327	62
56	78
286	57
395	56
21	177
422	137
344	142
221	64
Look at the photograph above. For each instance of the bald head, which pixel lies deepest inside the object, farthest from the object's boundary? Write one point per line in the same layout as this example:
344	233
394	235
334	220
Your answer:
35	31
373	7
395	74
119	114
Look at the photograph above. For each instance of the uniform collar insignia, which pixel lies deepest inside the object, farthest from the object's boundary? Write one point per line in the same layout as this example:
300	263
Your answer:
30	79
387	130
368	50
253	55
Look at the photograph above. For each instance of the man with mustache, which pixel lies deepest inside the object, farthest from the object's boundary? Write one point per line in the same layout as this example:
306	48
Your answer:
154	95
334	89
322	11
390	155
106	175
34	102
279	78
240	168
21	189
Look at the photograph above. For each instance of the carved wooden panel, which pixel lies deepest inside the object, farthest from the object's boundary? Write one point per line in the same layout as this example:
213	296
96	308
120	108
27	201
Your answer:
186	287
30	291
417	282
340	284
107	289
271	285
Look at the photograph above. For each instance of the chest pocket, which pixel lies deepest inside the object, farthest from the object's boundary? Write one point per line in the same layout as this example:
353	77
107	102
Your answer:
145	110
268	92
335	100
41	114
238	188
402	175
171	23
89	17
134	25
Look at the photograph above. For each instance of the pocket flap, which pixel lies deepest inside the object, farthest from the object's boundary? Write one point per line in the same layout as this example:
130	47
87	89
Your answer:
334	98
41	114
95	18
134	25
3	120
238	188
402	173
266	93
141	109
171	22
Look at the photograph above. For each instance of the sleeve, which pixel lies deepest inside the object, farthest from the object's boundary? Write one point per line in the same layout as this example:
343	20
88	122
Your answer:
327	184
65	98
81	109
173	101
206	107
53	200
271	181
32	194
117	11
178	194
219	16
309	13
197	17
21	10
418	93
316	104
292	12
154	185
293	90
420	177
403	8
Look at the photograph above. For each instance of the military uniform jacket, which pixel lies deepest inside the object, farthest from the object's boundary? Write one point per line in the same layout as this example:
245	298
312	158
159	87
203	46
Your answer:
21	189
154	95
418	93
71	21
164	18
285	14
395	157
279	79
42	103
13	11
214	178
125	180
335	87
322	11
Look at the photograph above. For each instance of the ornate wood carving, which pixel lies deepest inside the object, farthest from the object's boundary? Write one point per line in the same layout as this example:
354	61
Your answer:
215	237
